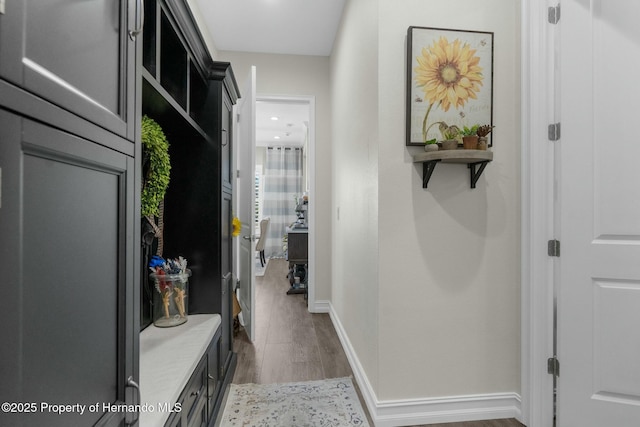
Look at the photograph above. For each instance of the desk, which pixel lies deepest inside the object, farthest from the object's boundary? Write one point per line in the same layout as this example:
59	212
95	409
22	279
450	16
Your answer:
298	245
298	256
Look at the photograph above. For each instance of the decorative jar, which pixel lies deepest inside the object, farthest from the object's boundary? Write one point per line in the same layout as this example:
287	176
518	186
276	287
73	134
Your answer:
170	299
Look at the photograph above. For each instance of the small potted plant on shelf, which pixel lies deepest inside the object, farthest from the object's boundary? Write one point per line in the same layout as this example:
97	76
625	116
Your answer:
450	136
482	133
431	145
469	137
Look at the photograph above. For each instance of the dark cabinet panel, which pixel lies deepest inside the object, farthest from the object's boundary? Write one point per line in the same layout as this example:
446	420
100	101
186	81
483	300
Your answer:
227	142
195	395
197	95
77	55
173	63
69	307
149	39
226	338
213	377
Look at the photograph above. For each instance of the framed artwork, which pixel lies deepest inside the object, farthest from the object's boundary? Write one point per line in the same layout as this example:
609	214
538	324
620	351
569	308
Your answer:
449	80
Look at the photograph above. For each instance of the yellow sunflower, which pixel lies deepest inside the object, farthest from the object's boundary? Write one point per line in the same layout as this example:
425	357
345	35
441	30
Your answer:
237	226
449	73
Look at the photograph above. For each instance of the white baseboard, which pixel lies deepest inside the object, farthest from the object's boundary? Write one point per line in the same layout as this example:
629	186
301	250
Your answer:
447	409
322	306
405	412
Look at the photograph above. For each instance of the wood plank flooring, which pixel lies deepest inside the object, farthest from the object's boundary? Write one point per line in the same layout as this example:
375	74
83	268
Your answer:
292	344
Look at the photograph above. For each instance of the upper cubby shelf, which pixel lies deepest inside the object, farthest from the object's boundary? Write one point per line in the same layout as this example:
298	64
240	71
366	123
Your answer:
476	161
171	60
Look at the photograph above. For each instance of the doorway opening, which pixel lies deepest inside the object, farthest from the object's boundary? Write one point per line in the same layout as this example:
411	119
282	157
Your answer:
285	130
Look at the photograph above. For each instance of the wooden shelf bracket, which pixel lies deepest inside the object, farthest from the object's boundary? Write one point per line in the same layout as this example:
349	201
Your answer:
427	170
474	174
476	161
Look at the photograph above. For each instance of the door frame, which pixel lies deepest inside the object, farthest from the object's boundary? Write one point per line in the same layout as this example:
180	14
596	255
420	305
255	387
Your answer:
311	173
537	212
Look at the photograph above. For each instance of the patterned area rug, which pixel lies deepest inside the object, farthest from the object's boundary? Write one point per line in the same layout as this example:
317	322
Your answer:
326	403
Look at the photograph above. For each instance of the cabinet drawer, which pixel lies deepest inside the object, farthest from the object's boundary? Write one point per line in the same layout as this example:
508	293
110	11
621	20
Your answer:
213	377
198	416
196	389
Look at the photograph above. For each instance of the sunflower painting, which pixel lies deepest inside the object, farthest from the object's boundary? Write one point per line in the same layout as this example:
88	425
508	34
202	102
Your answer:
449	79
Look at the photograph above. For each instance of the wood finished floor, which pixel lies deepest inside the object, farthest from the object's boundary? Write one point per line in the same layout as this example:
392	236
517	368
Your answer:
292	344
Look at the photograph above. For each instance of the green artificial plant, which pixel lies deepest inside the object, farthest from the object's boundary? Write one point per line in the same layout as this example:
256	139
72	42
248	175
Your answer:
466	131
156	181
448	132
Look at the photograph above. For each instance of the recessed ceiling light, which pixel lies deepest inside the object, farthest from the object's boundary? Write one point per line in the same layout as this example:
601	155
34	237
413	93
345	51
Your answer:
275	118
276	137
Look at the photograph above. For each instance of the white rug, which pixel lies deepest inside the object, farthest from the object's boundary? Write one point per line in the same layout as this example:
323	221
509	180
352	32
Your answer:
326	403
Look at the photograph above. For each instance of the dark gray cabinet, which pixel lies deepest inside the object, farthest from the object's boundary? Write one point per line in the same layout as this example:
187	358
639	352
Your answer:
192	97
67	309
69	205
72	90
223	94
226	286
77	55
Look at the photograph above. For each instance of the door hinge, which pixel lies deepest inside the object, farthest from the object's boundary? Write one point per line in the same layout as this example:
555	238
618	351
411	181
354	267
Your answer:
237	173
554	14
553	248
238	118
554	132
553	366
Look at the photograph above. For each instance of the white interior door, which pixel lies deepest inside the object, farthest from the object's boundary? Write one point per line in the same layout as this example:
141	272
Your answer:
246	200
599	289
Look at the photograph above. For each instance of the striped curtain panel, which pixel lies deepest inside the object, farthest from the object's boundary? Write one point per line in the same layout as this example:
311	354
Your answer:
282	185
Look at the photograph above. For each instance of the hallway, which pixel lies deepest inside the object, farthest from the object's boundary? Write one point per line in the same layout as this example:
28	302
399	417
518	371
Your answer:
291	343
295	345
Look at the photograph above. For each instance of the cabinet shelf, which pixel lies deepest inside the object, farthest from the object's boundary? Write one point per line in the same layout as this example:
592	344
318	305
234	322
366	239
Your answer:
158	102
476	161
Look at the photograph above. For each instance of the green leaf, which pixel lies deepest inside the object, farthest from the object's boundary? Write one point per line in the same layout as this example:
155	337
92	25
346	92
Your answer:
155	144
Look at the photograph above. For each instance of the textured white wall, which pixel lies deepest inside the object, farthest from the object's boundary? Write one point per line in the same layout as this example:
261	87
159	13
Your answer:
449	255
426	282
354	97
298	75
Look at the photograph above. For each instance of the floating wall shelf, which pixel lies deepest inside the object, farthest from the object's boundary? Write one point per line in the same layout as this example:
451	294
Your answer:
476	161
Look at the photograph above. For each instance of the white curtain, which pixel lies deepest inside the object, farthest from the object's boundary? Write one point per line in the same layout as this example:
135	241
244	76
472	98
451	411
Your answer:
282	185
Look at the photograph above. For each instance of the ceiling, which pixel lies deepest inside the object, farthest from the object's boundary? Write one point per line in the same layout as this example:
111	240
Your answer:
297	27
281	123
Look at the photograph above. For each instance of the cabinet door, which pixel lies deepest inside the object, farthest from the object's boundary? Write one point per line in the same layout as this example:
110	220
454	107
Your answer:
226	344
77	55
227	143
214	380
67	301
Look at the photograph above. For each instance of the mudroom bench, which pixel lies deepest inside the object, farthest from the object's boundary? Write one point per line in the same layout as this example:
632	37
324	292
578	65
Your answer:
179	381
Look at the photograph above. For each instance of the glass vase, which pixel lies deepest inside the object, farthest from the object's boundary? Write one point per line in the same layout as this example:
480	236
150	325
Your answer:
170	294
